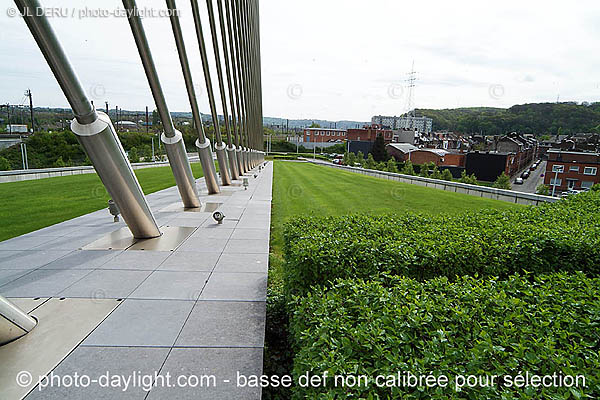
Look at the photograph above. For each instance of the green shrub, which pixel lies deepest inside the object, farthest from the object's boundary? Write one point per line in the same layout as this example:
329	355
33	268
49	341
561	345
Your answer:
564	236
502	182
542	325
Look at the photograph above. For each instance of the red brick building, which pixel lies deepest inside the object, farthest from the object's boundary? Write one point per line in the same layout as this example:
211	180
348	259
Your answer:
321	135
369	134
572	170
440	157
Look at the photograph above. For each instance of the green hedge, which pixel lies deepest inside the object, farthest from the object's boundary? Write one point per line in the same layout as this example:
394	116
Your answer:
564	236
541	325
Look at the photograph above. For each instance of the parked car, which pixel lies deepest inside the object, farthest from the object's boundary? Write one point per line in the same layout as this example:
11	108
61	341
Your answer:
519	181
525	175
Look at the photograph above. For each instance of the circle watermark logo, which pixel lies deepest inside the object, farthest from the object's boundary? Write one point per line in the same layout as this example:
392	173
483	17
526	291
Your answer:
24	378
496	91
295	91
98	91
395	91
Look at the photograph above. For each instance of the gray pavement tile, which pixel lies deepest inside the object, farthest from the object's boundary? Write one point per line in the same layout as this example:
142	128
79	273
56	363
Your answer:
258	263
216	366
106	284
65	243
24	242
146	260
96	362
29	259
241	233
83	259
227	222
190	261
42	283
247	246
172	285
142	323
9	275
204	245
236	286
212	232
224	324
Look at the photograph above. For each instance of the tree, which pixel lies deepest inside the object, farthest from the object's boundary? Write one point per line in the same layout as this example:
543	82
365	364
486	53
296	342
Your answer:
542	189
408	168
502	182
435	174
133	155
345	159
351	159
468	179
4	164
379	152
360	156
156	122
381	166
391	166
59	163
370	163
424	171
596	187
447	175
314	125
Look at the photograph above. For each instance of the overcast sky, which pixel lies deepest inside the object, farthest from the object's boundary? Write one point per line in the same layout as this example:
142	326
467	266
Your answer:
335	60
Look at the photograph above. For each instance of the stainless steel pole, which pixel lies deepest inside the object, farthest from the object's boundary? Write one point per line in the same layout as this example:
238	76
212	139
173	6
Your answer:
235	84
219	145
217	52
172	138
231	149
203	144
94	130
14	323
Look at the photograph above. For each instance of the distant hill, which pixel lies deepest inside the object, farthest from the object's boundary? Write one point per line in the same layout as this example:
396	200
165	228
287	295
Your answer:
536	118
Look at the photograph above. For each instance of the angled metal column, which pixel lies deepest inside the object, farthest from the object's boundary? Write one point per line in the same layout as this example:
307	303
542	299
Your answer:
14	323
203	144
217	52
172	138
240	49
231	149
219	145
93	129
234	68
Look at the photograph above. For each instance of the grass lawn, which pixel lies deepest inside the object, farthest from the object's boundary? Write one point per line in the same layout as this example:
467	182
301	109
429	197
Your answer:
303	188
31	205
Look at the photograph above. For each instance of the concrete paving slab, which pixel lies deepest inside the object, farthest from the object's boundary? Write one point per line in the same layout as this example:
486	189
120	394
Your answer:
136	260
241	233
224	324
106	284
243	263
203	245
96	362
83	259
9	275
42	283
142	323
24	243
212	232
218	368
190	261
171	285
247	246
236	287
29	259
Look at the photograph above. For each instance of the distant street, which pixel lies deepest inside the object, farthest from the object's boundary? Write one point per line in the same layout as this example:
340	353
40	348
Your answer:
530	184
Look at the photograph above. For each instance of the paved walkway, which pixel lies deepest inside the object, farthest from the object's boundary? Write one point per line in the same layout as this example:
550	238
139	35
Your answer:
197	311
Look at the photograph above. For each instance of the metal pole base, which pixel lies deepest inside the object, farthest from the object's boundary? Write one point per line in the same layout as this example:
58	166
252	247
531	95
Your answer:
246	160
14	323
233	165
182	171
102	145
240	161
208	166
223	164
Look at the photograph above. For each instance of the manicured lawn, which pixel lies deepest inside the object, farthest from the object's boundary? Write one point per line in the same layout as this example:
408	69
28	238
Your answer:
31	205
303	188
